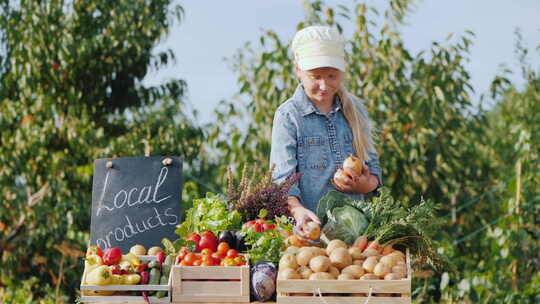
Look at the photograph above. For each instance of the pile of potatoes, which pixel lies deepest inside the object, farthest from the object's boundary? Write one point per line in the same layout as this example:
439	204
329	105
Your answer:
341	262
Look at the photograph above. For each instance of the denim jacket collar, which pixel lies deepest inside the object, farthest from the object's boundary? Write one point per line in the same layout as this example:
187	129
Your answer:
306	107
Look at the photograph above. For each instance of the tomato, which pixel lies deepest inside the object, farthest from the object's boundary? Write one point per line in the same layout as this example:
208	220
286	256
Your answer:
183	253
228	262
197	263
184	263
239	260
207	259
112	256
94	250
206	251
207	263
217	257
190	258
223	247
232	253
208	240
267	226
257	227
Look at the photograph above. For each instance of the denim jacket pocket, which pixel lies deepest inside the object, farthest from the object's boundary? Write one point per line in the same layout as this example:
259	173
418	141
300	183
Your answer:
313	152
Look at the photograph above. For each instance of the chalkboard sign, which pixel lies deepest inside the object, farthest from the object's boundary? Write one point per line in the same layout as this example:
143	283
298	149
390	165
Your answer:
135	200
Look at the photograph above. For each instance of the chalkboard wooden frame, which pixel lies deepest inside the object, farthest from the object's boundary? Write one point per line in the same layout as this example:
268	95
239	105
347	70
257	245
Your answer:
135	200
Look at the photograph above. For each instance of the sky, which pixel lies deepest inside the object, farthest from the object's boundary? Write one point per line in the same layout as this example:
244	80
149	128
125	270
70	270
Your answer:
213	31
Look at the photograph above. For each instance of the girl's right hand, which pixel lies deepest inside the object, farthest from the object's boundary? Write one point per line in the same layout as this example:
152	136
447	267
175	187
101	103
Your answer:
302	216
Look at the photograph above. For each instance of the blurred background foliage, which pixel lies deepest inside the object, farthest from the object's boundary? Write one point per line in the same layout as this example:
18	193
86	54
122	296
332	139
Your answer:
71	91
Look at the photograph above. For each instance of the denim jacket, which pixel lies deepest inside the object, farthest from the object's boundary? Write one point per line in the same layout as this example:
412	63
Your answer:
308	141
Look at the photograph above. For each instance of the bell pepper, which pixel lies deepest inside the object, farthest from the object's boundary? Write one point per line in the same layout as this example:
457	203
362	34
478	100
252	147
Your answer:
131	258
117	279
126	267
112	256
132	279
92	261
101	275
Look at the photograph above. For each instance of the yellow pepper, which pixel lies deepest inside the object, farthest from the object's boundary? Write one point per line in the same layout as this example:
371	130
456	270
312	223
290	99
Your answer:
131	258
131	279
117	279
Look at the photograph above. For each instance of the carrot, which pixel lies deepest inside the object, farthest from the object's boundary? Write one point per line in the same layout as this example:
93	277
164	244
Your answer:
361	242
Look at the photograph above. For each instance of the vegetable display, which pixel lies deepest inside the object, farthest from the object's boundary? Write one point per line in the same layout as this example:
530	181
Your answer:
384	221
114	268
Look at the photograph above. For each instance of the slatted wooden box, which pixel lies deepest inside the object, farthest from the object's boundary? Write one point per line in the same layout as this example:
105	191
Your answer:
127	299
339	292
211	284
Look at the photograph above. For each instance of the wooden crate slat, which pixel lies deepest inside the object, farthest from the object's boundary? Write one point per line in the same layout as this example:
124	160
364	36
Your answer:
122	299
126	287
344	286
341	300
211	272
211	288
212	299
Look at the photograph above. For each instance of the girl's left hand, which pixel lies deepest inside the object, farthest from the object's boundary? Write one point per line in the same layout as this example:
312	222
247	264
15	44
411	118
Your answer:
354	183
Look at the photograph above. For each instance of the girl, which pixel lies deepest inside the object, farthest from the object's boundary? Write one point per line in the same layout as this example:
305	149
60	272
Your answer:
321	125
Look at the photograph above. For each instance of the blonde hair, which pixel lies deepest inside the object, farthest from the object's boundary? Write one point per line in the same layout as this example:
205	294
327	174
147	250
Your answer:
361	125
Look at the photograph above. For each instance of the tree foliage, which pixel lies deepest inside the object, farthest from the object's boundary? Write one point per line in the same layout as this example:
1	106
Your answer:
71	91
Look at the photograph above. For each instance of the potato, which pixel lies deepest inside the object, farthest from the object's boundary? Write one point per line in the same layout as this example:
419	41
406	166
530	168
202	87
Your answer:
317	251
354	270
154	250
345	276
355	253
370	252
340	258
369	264
388	260
381	270
319	263
369	276
387	250
393	276
401	269
304	256
304	272
292	250
333	271
294	240
321	276
288	274
288	261
138	250
358	262
335	244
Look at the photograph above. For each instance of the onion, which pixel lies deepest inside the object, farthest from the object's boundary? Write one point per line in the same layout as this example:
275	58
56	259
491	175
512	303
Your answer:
401	269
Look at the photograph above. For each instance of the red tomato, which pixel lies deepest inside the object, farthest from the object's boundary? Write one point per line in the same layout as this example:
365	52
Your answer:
183	253
184	263
206	251
94	250
239	260
223	247
197	263
257	227
232	253
112	256
207	259
208	240
190	258
217	257
207	263
267	226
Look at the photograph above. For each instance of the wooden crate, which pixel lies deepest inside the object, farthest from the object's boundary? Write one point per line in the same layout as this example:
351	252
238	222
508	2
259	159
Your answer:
125	298
338	292
211	284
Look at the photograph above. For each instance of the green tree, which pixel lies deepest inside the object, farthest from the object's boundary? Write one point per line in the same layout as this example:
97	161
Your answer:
71	91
